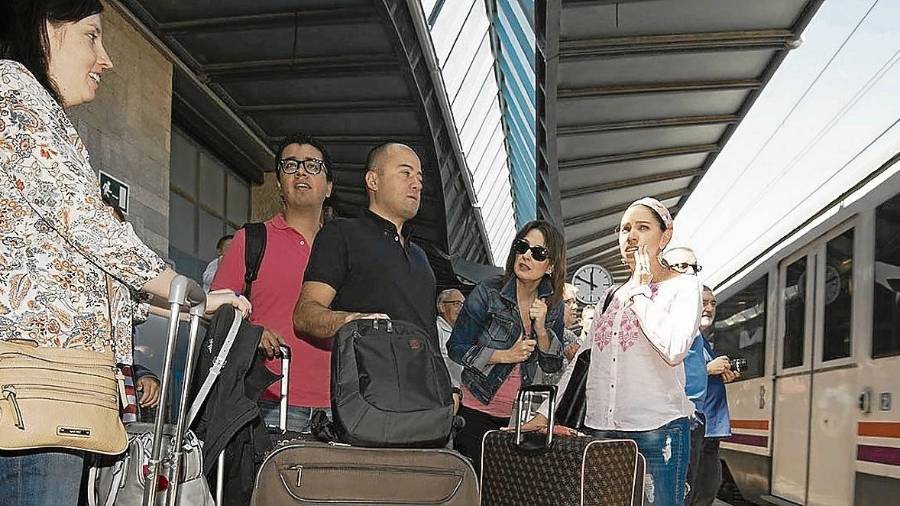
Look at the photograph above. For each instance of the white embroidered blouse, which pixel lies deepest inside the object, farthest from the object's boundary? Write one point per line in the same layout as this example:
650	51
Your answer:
58	240
636	378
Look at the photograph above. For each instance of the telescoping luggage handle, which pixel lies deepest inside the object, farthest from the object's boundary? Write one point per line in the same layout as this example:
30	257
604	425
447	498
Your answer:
521	413
282	419
183	293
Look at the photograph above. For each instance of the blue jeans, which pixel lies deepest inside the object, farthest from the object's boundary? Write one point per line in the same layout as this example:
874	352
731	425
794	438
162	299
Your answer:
667	452
40	478
297	418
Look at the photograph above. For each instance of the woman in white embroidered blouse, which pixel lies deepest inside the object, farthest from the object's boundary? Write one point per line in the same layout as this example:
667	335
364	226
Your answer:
60	246
635	384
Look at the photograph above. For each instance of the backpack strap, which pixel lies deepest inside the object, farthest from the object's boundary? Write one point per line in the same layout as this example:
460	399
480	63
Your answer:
254	249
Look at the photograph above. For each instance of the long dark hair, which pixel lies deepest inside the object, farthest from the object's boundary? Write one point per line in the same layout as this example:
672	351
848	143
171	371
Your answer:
23	32
556	247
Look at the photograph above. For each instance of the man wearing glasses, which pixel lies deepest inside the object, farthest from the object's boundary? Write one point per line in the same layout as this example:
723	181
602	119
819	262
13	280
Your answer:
449	304
304	181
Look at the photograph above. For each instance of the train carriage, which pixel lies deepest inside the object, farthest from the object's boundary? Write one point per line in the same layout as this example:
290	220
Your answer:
817	316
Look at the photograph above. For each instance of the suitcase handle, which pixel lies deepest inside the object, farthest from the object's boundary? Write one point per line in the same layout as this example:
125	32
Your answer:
529	391
183	292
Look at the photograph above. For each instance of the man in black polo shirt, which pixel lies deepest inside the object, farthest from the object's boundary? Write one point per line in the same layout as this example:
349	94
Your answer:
367	267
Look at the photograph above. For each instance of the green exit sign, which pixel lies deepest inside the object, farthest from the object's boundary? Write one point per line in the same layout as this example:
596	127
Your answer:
114	190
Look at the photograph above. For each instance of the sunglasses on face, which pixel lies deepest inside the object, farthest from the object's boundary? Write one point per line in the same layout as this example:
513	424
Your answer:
539	253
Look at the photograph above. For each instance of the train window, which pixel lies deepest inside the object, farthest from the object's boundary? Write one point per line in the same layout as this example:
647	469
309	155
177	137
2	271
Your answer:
794	298
886	310
838	296
741	327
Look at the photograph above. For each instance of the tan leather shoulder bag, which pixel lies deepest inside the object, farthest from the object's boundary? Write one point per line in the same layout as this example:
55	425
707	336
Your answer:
59	398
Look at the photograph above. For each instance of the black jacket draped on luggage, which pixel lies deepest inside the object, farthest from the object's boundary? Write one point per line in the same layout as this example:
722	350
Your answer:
230	417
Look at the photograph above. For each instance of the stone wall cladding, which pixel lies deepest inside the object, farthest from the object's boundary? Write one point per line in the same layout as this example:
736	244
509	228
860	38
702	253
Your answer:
127	128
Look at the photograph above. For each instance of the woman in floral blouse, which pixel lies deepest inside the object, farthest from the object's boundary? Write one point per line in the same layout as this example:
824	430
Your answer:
61	249
635	384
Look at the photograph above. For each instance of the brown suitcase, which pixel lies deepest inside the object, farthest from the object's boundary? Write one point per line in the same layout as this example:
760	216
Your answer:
543	469
313	473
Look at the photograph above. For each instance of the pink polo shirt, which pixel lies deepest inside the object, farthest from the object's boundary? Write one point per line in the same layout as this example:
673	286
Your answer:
274	294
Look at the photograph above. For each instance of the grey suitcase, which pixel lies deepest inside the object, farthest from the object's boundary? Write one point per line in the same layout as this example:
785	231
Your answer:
313	473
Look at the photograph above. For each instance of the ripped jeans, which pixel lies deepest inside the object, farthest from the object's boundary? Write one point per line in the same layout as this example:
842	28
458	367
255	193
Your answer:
667	452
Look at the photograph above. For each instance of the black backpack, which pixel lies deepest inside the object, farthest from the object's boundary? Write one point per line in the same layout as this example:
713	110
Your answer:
254	249
389	386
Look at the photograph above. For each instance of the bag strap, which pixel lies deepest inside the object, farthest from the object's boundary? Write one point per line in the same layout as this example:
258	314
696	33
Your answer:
216	369
254	248
609	298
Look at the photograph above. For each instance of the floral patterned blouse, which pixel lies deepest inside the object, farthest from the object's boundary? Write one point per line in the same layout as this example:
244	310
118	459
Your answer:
636	377
59	243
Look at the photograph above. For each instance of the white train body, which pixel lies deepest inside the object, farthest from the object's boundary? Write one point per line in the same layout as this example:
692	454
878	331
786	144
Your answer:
816	419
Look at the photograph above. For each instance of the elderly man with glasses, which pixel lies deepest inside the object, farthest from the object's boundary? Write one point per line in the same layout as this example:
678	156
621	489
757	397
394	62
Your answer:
449	303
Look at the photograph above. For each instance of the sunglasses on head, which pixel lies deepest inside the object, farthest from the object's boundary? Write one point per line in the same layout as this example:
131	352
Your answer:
683	267
539	253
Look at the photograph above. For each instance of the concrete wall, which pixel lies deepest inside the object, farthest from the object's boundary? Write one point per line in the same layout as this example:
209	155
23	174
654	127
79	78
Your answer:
127	129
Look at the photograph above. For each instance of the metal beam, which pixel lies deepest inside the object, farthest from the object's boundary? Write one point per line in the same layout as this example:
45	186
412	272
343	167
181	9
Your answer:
613	90
340	107
311	66
600	213
362	139
603	248
677	43
547	30
638	155
300	18
580	241
628	183
685	121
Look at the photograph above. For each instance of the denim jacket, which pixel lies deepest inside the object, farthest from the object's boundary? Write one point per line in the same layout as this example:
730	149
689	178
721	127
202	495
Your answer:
490	321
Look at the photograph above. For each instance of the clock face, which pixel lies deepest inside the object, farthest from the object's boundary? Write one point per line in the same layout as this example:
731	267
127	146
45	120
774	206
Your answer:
591	280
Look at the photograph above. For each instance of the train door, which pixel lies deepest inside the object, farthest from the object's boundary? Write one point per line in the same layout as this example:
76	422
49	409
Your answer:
815	376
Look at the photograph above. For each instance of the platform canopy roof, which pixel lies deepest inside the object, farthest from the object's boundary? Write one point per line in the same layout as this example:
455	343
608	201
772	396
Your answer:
355	73
636	98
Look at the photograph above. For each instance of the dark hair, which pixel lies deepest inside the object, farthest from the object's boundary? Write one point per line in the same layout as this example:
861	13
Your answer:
708	289
23	32
556	247
116	208
301	139
222	240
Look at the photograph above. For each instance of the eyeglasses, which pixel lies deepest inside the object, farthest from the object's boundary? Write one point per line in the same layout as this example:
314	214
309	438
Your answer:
312	166
684	266
539	253
457	303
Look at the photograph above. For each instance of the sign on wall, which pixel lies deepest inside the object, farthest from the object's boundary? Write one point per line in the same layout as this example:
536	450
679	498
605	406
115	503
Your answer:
114	190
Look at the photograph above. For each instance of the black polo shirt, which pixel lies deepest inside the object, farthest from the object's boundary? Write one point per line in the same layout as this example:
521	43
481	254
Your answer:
372	271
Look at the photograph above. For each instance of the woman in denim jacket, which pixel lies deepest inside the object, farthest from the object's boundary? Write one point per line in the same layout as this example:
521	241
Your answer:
509	326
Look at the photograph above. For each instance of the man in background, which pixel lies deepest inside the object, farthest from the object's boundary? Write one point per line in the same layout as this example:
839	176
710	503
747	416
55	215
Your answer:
210	273
449	304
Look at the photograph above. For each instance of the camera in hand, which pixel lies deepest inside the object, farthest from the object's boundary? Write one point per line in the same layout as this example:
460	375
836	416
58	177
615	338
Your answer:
739	364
